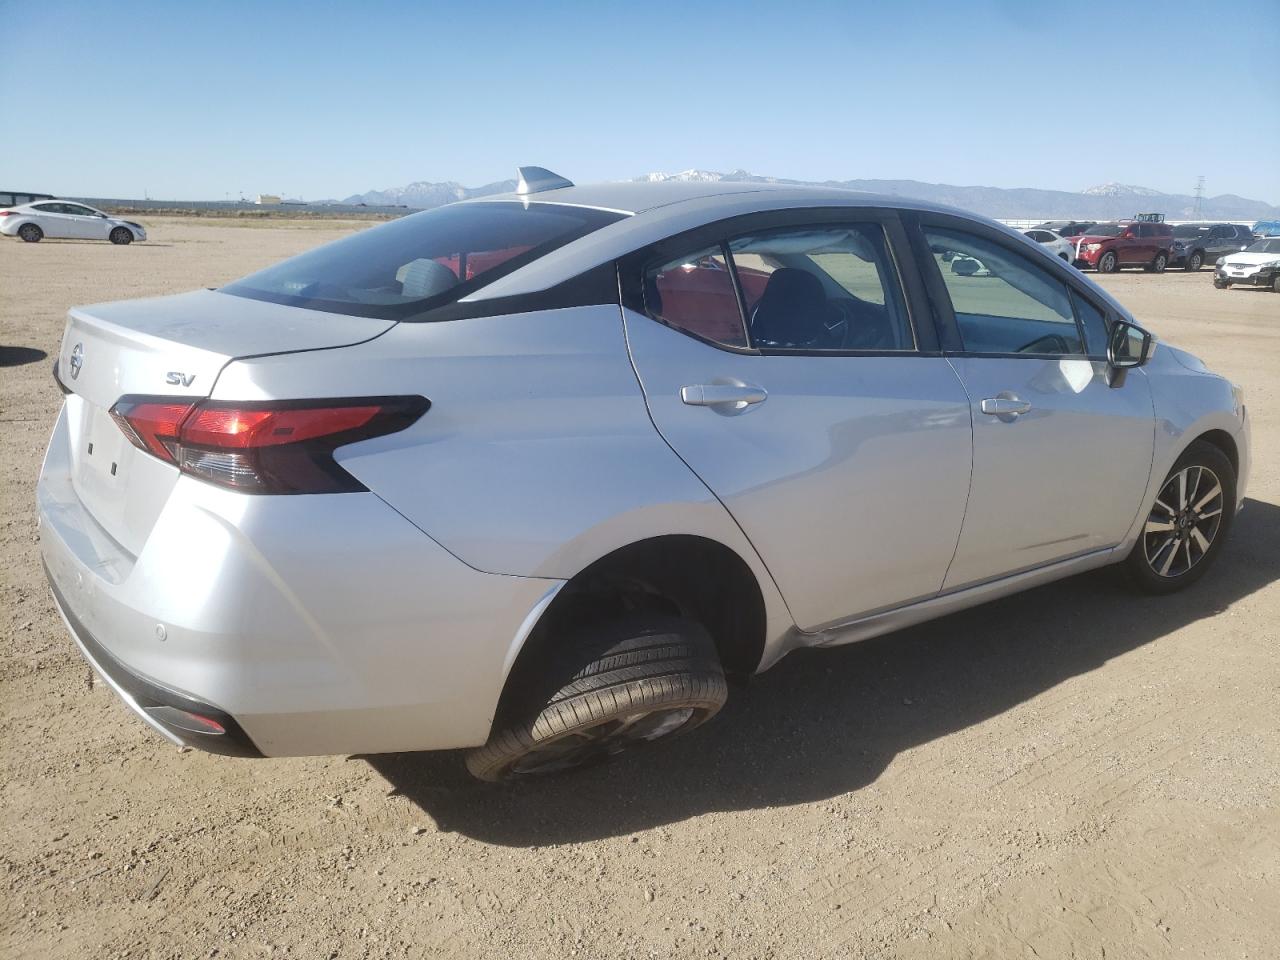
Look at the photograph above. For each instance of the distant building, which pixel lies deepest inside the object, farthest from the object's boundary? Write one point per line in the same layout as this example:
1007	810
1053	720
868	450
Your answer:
267	198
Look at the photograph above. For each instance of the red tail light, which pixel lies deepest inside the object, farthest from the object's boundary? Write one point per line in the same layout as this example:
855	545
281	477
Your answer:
263	447
6	213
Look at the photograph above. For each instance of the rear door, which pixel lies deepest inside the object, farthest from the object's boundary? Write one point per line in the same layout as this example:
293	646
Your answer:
783	359
1060	458
54	222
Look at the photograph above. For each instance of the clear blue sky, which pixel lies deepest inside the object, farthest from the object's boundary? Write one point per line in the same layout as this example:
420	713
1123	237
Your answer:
191	100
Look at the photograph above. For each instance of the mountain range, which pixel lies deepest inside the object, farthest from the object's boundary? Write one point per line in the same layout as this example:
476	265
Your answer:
1107	201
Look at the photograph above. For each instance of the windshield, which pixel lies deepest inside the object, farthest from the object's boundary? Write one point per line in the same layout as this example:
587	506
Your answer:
1106	229
1265	246
422	261
1190	230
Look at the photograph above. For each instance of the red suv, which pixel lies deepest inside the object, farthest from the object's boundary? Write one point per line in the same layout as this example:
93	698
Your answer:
1125	243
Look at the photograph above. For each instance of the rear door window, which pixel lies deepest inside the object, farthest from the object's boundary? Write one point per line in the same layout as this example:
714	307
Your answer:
821	288
423	261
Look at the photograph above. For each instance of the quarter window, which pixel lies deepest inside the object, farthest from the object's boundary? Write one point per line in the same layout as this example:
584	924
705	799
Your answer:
1094	325
695	293
1003	302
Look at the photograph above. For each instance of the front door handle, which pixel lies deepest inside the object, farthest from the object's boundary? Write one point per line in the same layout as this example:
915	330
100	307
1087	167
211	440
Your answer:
998	405
1006	408
738	396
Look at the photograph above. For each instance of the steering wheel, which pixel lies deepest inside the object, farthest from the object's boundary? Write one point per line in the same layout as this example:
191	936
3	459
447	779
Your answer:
1052	343
862	325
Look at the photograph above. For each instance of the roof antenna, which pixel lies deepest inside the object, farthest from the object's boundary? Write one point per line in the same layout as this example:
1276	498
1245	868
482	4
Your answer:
537	179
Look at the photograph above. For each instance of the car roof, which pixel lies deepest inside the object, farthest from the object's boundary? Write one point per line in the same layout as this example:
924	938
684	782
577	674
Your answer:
642	196
656	211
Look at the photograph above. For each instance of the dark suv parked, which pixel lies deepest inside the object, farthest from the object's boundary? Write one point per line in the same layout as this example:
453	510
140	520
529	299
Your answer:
1125	243
1195	244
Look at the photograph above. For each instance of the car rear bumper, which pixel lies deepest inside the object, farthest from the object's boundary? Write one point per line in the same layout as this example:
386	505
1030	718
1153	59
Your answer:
160	708
299	624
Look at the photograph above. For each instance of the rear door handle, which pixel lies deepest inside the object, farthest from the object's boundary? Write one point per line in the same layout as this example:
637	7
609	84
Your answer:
1006	408
722	394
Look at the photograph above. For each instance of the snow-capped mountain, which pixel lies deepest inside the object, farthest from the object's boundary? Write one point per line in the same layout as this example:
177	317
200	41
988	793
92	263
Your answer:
1120	190
1106	201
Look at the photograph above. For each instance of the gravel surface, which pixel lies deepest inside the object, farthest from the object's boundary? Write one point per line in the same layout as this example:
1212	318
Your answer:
1076	771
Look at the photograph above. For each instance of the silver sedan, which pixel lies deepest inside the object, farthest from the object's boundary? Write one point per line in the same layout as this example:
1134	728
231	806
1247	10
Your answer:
532	474
66	220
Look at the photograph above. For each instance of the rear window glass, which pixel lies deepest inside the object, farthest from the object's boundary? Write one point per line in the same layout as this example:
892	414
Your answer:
423	261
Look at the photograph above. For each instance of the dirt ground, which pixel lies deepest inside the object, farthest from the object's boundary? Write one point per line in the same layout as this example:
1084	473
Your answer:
1074	772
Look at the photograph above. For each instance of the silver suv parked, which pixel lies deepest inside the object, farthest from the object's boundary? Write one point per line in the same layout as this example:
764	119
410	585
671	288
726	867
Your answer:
531	474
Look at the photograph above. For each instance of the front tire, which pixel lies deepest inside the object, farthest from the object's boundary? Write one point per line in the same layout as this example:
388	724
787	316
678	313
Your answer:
121	236
1220	284
30	233
611	687
1188	523
1275	284
1108	262
1194	261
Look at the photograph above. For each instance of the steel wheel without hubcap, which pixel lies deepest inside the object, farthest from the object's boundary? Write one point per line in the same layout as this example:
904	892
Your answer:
602	741
1184	521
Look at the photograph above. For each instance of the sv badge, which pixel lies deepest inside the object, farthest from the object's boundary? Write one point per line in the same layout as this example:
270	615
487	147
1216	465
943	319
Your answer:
179	379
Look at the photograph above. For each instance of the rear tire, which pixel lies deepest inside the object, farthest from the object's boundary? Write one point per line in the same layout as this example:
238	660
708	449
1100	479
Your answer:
1158	264
1275	285
30	233
1188	523
1108	262
121	236
611	687
1194	261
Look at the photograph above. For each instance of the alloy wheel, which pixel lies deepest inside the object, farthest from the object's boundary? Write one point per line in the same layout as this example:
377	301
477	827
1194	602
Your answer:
1184	521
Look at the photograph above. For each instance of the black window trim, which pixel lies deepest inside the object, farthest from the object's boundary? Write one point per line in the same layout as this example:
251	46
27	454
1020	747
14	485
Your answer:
940	299
632	268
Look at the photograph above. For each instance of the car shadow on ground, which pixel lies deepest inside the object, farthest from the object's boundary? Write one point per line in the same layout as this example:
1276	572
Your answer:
20	356
827	722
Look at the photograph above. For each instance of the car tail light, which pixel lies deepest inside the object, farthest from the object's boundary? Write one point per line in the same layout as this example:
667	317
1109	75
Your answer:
6	213
263	447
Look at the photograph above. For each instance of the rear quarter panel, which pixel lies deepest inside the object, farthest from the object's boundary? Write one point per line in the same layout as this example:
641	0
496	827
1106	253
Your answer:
537	456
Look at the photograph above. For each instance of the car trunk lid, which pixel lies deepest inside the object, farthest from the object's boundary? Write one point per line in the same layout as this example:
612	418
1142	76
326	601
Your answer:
173	347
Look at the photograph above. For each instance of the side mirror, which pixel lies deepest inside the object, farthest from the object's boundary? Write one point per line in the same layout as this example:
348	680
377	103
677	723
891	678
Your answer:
1127	235
1128	346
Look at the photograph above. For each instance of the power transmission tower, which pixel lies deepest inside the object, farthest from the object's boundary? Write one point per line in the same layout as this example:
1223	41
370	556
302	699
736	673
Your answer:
1199	197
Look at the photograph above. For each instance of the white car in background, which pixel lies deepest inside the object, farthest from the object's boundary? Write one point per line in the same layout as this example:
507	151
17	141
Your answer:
65	220
1057	244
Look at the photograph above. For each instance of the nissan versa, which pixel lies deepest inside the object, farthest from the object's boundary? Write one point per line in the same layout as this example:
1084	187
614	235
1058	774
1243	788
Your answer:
532	474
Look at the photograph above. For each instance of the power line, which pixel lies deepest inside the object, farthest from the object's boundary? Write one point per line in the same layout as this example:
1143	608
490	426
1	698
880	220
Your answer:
1199	194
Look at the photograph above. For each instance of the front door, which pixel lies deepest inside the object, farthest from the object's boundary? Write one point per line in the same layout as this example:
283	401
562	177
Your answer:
86	224
781	364
1061	459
